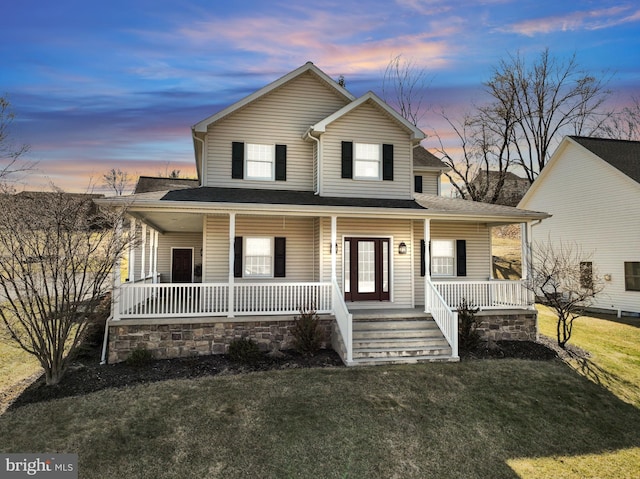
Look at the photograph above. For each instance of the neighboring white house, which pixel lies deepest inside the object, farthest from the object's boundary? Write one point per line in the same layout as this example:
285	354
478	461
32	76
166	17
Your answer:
591	187
309	197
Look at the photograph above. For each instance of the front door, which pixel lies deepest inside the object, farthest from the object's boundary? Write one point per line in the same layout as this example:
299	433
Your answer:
181	269
366	269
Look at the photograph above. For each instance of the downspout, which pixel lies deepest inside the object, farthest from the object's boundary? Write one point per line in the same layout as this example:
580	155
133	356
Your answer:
193	135
306	135
103	357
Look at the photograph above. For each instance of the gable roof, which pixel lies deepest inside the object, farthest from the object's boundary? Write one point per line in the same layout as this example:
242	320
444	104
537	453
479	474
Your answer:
624	155
148	184
321	126
424	159
201	126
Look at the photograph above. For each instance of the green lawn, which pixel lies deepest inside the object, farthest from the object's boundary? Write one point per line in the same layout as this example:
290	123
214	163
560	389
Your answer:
15	366
614	345
475	419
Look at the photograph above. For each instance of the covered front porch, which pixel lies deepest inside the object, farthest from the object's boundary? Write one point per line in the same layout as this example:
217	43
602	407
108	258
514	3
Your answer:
145	298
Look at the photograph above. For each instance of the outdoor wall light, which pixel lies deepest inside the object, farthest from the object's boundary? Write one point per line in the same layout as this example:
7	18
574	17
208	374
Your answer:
607	277
402	248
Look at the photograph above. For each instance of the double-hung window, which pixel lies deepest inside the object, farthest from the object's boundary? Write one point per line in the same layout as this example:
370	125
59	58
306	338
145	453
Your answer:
258	257
367	161
443	258
259	161
632	275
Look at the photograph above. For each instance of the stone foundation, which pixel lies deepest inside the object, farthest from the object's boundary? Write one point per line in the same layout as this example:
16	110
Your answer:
195	338
513	325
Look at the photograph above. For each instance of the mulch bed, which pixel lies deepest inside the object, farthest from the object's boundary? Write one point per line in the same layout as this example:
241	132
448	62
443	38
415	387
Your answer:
86	375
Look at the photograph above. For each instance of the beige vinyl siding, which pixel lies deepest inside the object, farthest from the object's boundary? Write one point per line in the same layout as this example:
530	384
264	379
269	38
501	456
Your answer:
280	117
429	182
215	267
400	230
596	207
168	241
478	238
366	124
299	232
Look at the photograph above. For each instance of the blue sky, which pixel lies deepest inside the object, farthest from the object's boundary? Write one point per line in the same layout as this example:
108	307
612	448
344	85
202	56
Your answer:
97	85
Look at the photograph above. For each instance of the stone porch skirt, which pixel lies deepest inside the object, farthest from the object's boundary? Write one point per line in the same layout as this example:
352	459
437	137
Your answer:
187	337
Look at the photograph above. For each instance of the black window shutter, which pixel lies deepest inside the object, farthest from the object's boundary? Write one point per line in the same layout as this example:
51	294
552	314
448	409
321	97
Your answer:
387	162
280	268
423	253
417	183
347	159
237	160
461	255
281	162
237	257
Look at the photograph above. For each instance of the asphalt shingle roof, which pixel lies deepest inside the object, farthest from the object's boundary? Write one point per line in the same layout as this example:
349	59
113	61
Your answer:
424	158
211	194
148	184
623	155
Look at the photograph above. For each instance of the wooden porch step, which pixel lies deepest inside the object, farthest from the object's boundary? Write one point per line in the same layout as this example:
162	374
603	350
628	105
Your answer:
399	343
397	338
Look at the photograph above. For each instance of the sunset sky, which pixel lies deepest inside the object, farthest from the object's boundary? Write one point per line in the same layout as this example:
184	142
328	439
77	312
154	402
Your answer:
97	85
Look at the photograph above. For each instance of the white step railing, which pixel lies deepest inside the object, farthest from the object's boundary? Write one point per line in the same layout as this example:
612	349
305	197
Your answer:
484	294
344	320
443	315
140	300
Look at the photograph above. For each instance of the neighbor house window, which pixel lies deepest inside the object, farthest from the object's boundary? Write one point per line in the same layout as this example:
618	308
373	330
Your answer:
632	275
258	257
259	161
443	258
367	161
586	274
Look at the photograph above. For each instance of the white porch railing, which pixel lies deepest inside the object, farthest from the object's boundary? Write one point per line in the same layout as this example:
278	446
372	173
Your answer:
344	319
484	294
140	300
443	315
281	298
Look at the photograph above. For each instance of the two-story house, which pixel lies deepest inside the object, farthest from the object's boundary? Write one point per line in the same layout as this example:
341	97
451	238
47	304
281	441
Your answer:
311	198
591	186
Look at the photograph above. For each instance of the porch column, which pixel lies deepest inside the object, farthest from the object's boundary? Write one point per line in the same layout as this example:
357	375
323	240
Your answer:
232	241
155	257
132	251
427	263
117	281
334	240
143	252
152	235
526	249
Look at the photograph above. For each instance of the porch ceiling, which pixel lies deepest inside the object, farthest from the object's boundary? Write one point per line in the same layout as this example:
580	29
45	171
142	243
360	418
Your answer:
171	222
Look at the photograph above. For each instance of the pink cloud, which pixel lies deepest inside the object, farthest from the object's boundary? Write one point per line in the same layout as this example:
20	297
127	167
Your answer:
335	42
579	20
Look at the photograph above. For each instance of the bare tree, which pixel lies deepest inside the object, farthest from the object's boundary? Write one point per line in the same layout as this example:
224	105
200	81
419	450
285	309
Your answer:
551	98
564	277
404	84
531	106
58	251
10	154
117	180
624	124
485	137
